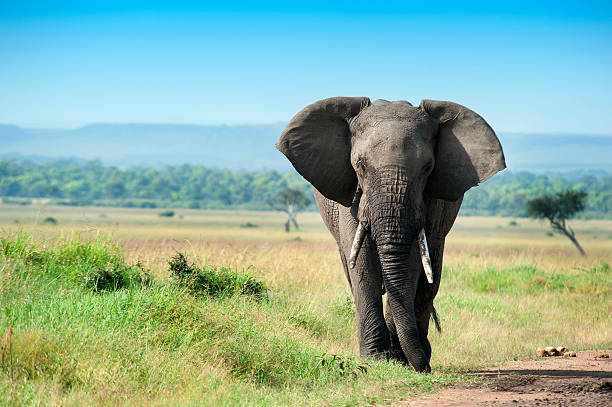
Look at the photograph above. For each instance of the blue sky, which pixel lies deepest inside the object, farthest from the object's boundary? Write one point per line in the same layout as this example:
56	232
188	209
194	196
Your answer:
526	67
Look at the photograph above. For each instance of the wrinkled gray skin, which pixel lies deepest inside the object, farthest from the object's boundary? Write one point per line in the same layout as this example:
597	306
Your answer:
395	168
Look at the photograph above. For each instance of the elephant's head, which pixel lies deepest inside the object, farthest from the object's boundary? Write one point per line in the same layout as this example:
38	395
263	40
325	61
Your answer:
383	159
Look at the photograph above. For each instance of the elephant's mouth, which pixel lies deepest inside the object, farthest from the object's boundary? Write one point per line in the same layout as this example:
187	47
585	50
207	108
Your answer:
362	228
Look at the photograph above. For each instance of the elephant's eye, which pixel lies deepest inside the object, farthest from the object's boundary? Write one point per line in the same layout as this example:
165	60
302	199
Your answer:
427	168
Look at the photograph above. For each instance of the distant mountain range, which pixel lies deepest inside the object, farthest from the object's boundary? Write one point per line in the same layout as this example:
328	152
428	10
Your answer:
251	147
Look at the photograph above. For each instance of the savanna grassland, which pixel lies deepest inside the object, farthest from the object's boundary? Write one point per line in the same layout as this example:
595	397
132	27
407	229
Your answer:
91	314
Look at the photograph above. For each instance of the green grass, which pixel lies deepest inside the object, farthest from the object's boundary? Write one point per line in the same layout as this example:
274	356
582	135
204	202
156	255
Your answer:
528	279
134	340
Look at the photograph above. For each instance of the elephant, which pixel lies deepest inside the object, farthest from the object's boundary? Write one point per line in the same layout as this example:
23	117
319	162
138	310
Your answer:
388	180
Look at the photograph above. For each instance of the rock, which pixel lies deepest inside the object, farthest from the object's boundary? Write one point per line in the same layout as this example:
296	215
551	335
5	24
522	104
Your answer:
601	355
566	354
550	351
561	349
572	354
541	353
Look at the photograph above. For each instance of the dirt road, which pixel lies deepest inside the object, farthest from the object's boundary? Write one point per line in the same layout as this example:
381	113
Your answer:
554	381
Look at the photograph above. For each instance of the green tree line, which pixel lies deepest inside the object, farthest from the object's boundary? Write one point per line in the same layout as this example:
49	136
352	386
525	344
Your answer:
188	186
507	194
196	186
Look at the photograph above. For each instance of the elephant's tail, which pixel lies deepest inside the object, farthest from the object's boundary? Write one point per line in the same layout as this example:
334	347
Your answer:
434	316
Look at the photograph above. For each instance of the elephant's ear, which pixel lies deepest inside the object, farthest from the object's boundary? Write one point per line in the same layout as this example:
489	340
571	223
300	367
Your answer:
317	141
467	150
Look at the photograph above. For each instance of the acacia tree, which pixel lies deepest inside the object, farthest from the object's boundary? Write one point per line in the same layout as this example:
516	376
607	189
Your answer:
558	208
291	201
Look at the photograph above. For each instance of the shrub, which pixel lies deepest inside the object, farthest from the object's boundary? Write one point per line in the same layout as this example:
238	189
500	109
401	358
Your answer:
49	221
113	279
512	223
166	214
214	281
249	225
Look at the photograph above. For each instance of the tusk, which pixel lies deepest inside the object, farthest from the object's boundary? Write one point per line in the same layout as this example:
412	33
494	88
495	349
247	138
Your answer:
425	259
357	242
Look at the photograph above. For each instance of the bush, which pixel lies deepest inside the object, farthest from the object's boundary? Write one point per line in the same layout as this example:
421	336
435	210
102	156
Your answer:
49	221
214	281
117	278
166	214
249	225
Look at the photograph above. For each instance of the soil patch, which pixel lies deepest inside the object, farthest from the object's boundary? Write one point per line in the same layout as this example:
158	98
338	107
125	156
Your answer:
552	381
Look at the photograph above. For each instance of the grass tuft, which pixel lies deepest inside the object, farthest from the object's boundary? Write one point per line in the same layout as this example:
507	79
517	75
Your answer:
215	281
121	277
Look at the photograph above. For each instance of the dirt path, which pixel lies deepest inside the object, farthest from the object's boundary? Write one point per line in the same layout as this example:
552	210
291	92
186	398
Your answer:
554	381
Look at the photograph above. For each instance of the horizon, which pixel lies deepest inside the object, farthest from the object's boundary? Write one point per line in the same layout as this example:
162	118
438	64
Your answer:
505	133
526	68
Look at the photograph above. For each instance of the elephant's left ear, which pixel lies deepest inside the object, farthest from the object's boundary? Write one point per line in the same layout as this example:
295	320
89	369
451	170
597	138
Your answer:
467	150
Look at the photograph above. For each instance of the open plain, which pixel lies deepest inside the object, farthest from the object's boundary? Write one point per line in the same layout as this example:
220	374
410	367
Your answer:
508	288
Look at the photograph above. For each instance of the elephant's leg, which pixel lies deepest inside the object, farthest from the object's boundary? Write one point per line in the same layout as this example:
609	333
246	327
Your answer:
366	285
371	328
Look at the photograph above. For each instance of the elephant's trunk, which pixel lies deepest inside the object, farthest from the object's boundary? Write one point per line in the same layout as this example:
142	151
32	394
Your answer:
401	279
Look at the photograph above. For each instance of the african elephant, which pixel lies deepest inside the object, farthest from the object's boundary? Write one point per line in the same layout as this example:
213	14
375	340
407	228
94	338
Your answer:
388	180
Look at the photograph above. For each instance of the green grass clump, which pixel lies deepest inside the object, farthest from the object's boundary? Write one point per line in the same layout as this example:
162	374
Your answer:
215	281
117	278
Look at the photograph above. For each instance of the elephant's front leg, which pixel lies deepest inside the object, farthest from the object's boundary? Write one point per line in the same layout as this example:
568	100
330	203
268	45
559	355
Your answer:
366	286
371	327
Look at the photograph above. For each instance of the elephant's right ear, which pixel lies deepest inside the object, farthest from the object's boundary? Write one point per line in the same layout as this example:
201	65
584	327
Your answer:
317	141
467	150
